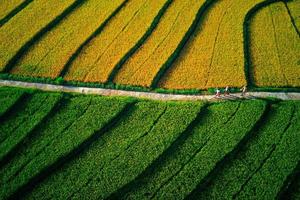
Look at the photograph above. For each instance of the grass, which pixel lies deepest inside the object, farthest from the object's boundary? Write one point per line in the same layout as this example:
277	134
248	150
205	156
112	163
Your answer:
271	28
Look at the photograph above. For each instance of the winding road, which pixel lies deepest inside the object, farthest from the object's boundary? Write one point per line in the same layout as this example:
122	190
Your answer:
146	95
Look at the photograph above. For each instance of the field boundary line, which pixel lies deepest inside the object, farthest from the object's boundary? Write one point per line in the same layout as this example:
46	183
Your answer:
145	95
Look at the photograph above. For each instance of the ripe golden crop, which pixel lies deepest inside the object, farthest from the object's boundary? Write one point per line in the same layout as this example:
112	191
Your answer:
22	27
215	55
142	67
294	8
49	56
137	27
6	6
275	48
91	53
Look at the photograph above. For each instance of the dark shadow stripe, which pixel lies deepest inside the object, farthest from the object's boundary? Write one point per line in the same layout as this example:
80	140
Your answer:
90	38
14	12
139	43
47	171
38	36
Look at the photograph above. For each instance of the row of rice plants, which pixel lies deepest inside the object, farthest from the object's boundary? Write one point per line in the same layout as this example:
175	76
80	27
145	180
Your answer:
220	144
16	127
49	56
135	159
142	67
267	182
294	7
6	6
137	123
8	98
102	64
214	57
24	26
102	40
99	114
173	159
52	129
228	180
274	48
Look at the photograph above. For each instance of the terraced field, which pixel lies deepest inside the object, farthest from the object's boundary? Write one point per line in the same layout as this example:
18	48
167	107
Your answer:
91	147
168	44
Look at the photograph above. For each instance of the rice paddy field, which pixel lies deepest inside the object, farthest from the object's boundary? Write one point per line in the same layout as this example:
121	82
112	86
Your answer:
64	146
167	44
56	145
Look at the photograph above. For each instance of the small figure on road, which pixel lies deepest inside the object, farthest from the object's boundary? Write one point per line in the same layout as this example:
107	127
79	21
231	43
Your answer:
226	91
244	90
218	93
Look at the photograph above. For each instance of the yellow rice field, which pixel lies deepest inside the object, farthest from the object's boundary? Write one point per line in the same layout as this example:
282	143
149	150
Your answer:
21	28
275	49
99	45
6	6
105	62
49	56
142	67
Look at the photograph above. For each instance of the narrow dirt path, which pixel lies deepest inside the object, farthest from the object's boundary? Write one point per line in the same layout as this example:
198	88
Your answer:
146	95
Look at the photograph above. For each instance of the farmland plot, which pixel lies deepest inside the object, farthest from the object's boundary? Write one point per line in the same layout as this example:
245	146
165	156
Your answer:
277	66
7	99
214	56
24	26
234	174
6	6
96	66
133	126
87	127
48	56
294	7
143	66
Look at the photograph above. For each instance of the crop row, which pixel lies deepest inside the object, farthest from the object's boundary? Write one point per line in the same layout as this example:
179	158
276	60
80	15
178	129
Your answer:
7	6
86	128
102	63
49	55
143	66
180	153
134	160
8	99
271	29
67	115
19	125
283	160
23	27
219	145
135	124
294	7
228	180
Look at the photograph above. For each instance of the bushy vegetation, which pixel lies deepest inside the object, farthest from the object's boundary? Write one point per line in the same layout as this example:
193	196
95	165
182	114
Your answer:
99	147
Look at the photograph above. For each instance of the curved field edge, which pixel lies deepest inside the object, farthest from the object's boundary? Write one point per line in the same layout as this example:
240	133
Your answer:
78	150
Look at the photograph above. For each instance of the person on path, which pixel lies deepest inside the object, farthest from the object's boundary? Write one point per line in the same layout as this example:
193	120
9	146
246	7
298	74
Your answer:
244	90
226	92
218	93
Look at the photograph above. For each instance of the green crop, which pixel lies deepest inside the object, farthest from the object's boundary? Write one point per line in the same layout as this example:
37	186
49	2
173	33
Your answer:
219	145
99	113
180	153
134	160
7	99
